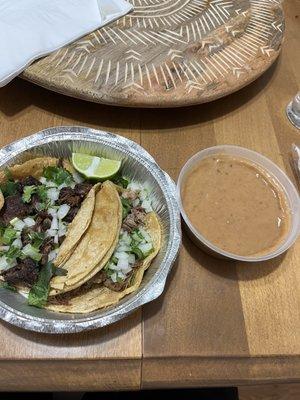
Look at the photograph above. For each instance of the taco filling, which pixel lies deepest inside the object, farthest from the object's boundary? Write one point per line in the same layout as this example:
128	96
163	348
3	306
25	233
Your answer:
34	220
73	245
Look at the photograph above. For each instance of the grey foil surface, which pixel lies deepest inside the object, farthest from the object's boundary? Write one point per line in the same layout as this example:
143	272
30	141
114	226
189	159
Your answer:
137	164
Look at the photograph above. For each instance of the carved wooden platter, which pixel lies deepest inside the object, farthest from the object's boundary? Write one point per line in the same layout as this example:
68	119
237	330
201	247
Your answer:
168	53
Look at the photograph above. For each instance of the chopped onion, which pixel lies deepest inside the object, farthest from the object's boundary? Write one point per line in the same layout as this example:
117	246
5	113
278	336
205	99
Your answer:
52	255
121	275
53	194
62	231
32	252
4	248
121	255
43	180
124	247
145	248
54	223
5	264
125	238
122	263
77	177
51	232
63	211
114	277
52	211
62	228
17	243
145	235
136	202
17	223
55	240
134	186
50	184
146	204
131	258
29	221
63	185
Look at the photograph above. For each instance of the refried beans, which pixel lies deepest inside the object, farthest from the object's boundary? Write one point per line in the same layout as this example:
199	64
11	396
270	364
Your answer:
236	205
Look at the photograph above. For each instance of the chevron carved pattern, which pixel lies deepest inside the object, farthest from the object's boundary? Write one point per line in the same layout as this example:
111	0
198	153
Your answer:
169	52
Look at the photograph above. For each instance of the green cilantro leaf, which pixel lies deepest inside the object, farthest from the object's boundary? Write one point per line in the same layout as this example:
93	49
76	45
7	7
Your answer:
38	294
42	193
36	238
9	188
121	181
126	207
28	192
58	175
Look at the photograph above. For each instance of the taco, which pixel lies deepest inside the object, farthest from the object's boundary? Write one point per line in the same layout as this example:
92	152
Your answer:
121	276
96	245
46	210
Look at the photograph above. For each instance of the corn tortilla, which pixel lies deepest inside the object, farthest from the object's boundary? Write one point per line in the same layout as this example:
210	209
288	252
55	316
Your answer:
96	245
101	296
77	227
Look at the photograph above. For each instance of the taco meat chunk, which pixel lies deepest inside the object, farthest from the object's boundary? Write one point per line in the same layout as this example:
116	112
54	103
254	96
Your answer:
82	189
25	272
43	222
134	219
115	286
71	214
46	247
14	207
74	198
30	181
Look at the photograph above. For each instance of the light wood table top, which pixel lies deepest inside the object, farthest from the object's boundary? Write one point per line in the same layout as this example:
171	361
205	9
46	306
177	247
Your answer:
218	322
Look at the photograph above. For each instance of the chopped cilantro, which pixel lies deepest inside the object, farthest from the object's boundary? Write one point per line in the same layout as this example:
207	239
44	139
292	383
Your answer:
36	238
9	188
13	252
6	285
58	175
38	294
121	181
42	192
138	253
9	235
28	192
126	207
2	229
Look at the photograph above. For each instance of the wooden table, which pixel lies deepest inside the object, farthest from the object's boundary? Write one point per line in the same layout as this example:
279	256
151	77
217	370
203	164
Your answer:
218	323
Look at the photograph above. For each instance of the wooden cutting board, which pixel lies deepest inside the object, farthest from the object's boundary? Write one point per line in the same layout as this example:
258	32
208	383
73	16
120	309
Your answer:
168	53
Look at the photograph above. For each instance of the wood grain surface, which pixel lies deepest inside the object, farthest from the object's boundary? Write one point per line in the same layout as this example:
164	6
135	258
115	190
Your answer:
168	53
218	322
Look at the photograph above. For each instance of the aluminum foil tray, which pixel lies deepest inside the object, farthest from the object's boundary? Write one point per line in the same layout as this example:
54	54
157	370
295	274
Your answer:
138	165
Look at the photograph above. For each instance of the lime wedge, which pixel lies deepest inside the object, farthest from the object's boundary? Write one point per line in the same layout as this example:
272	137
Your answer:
95	167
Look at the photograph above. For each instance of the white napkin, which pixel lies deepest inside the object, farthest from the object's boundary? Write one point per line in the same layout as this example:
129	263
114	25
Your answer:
30	29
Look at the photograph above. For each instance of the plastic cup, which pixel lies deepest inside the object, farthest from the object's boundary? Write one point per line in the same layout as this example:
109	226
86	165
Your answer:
274	171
